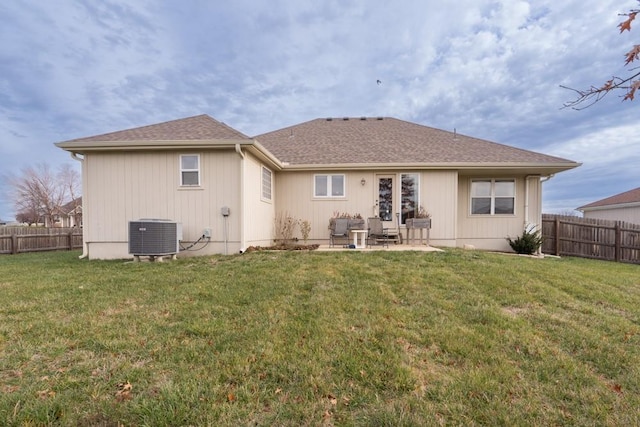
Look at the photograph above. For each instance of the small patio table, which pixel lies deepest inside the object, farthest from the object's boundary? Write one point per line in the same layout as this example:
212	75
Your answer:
363	238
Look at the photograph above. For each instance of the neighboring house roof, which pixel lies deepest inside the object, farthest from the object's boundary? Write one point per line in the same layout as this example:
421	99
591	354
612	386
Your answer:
389	141
72	206
631	197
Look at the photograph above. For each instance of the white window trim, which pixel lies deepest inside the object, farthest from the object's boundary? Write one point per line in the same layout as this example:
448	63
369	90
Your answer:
262	196
198	170
493	197
418	176
329	188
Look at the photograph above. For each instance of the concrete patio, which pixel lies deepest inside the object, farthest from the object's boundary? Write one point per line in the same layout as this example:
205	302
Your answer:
391	247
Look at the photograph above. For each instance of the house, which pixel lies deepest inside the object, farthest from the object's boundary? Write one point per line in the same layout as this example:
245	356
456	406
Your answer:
68	215
218	182
620	207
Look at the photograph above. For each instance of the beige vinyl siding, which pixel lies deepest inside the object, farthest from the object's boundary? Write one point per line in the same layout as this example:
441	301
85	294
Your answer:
294	191
491	231
535	201
439	196
626	214
259	213
121	187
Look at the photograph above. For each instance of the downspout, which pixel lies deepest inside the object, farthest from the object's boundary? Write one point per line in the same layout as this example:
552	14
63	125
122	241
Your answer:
85	249
242	201
542	180
239	151
526	200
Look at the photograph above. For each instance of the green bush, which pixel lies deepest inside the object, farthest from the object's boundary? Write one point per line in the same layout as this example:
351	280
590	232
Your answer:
528	243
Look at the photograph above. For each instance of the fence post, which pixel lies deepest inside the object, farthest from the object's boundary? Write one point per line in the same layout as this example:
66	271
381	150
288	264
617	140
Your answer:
557	235
14	244
618	243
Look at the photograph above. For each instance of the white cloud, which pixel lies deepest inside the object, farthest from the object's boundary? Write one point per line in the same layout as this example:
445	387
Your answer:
490	68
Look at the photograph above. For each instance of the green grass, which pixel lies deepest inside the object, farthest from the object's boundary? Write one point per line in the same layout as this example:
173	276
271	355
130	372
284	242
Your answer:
318	338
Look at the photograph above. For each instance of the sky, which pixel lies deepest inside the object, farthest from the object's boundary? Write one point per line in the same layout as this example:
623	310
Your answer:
491	69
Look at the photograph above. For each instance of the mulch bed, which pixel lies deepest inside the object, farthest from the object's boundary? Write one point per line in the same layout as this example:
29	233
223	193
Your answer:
283	247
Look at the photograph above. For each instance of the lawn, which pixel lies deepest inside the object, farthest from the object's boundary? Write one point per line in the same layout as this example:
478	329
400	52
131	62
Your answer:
319	338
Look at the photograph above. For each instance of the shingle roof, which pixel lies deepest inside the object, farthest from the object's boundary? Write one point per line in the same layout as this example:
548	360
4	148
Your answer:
347	142
202	127
631	196
388	140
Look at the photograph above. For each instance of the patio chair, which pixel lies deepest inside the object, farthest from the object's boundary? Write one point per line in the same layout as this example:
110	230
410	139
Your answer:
377	233
340	230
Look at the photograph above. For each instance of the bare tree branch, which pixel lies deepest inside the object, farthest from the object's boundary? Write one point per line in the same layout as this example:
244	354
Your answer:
595	94
587	97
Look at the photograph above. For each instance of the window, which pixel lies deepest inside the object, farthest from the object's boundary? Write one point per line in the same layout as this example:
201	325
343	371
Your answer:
189	170
329	186
266	184
409	195
493	196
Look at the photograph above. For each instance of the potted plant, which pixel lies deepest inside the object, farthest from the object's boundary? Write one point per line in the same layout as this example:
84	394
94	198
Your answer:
421	220
356	222
332	220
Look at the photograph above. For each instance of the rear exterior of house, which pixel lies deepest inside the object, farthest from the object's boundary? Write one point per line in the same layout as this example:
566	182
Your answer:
477	192
445	194
620	207
197	172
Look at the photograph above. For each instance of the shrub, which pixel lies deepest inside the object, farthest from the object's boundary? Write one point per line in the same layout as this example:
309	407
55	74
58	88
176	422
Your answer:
422	213
285	226
528	243
305	229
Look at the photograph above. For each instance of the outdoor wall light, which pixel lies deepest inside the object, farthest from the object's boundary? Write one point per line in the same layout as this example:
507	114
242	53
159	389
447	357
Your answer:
363	181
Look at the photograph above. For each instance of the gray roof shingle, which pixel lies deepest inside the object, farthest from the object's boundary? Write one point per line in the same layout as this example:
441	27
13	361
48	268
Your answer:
336	142
387	140
197	128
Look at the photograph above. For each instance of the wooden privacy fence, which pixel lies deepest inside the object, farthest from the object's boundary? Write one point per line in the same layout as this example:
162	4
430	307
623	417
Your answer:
15	240
591	238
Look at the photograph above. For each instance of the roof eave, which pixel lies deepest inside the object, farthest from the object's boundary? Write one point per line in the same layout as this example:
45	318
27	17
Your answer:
265	155
89	146
539	168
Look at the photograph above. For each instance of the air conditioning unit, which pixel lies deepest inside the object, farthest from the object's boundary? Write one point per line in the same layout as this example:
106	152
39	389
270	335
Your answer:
154	237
